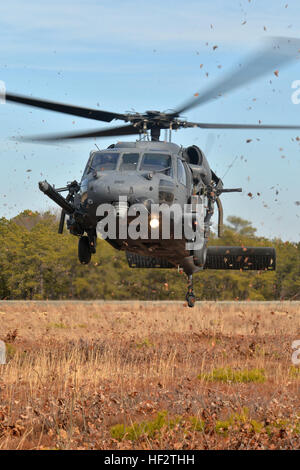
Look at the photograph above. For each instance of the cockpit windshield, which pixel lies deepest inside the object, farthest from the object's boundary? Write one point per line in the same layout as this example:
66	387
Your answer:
129	161
104	161
157	162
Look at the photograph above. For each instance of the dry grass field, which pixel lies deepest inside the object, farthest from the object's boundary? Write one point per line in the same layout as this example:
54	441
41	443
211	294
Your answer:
149	376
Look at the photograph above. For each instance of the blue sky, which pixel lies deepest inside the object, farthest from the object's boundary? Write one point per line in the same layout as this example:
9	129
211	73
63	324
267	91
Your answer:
126	55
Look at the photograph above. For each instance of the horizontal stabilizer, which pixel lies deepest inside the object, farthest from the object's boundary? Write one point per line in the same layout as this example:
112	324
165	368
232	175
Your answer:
218	257
241	258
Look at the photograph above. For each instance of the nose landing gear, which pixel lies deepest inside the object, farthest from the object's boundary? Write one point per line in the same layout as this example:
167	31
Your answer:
190	296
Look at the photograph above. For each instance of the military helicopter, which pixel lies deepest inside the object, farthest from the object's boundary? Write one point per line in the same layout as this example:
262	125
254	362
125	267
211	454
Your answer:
150	171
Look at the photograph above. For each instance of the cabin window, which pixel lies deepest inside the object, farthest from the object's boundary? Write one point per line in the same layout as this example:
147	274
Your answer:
181	174
129	161
104	161
157	162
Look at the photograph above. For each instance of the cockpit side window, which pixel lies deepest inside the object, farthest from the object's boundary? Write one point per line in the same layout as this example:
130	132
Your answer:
87	167
181	174
157	162
104	161
129	161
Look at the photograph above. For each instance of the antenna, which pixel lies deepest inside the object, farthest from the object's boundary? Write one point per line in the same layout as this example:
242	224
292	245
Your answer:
229	167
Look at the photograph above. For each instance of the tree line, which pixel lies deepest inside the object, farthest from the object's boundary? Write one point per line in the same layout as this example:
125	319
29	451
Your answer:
38	263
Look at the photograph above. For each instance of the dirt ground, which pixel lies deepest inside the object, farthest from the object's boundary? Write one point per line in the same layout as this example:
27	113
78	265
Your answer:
149	376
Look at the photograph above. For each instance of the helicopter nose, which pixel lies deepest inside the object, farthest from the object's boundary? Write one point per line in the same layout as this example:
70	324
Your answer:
110	187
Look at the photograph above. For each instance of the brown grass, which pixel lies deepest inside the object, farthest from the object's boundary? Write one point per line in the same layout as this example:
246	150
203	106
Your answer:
76	370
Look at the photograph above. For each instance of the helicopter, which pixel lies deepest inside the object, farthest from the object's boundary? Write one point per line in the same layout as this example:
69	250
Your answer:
151	172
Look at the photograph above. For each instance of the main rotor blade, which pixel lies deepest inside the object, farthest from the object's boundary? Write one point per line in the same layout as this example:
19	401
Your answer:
205	125
113	131
89	113
278	52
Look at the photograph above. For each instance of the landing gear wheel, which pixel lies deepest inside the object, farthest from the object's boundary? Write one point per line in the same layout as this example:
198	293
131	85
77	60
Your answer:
190	297
84	251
